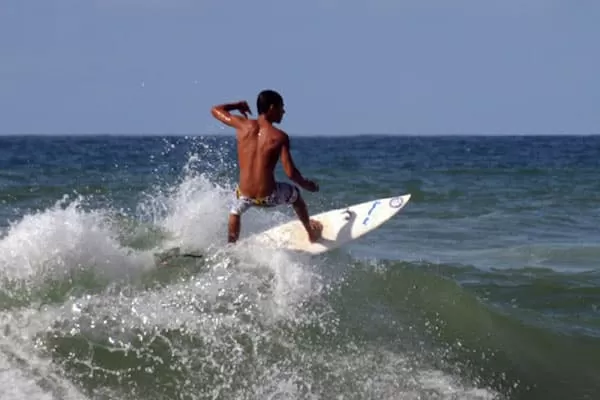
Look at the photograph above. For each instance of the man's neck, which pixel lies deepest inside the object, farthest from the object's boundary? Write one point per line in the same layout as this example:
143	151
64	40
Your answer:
264	120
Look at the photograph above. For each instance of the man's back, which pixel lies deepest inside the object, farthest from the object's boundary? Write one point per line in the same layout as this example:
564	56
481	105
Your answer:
259	146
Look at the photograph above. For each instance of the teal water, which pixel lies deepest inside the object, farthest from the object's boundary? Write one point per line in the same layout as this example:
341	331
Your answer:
486	286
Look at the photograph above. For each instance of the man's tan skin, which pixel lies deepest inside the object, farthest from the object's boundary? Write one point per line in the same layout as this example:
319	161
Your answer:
260	146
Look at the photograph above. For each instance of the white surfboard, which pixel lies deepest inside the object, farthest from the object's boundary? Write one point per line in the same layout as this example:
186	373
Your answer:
340	226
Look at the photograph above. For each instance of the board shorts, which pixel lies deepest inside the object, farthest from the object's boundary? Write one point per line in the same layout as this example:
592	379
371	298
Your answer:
284	193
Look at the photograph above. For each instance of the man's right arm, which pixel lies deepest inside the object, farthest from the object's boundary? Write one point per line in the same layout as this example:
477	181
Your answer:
290	168
222	112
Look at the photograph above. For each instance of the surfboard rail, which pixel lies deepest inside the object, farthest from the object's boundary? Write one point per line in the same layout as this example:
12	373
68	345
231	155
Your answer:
340	226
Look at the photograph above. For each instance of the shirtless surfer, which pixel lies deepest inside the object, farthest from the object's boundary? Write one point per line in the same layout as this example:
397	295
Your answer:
260	145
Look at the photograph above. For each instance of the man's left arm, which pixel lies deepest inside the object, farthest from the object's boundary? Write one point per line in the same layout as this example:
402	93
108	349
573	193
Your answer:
222	112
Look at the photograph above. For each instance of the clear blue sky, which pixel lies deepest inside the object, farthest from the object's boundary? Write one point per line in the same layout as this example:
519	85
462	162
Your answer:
343	66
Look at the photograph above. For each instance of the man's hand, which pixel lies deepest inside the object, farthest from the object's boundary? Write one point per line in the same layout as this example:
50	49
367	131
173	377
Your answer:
311	186
244	108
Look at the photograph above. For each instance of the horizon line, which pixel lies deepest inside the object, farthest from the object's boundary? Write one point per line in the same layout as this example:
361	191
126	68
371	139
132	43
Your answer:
340	135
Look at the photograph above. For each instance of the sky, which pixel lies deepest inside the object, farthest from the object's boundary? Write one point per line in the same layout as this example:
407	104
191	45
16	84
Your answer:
344	67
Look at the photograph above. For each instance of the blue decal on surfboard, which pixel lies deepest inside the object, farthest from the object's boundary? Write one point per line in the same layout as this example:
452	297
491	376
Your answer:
370	212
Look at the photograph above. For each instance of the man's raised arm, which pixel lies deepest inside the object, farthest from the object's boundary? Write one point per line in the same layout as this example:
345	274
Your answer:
222	112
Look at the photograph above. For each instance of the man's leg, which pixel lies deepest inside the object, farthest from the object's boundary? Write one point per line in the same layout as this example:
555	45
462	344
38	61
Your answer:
301	211
235	216
286	193
313	228
233	228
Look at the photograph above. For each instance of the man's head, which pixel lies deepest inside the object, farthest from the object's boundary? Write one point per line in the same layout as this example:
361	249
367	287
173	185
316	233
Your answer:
270	104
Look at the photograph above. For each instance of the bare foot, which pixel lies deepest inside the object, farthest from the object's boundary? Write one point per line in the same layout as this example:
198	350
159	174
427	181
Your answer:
316	228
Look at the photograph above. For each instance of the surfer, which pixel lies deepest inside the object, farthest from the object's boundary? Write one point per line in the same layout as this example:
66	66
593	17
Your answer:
260	145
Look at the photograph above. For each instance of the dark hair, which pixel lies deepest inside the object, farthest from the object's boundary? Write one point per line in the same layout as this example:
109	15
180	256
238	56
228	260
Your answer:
266	99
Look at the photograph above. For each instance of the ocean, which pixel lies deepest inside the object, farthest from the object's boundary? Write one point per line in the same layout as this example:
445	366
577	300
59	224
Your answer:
485	286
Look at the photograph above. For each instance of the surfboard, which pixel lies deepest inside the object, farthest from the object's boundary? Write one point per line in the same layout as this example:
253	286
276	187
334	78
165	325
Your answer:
340	226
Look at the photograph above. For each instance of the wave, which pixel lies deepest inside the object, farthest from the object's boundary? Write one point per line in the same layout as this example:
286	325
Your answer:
513	352
81	291
81	294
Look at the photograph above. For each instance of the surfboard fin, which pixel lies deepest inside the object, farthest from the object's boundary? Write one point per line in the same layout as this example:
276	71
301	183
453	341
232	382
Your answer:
175	252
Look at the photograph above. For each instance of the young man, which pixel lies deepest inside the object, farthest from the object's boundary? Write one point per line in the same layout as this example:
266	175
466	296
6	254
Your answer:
260	145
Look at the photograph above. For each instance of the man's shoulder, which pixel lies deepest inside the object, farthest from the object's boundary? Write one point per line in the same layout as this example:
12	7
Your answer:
280	133
273	131
248	125
250	122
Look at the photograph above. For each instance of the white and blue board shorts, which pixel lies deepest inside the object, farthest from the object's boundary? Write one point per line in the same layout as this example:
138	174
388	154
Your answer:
284	193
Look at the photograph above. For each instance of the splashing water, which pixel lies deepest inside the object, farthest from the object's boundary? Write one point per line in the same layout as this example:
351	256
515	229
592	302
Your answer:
243	323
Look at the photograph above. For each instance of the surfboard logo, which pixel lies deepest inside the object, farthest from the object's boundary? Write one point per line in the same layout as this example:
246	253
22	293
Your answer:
396	202
373	206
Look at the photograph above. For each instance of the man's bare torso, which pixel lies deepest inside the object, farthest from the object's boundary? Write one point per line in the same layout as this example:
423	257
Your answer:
259	147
